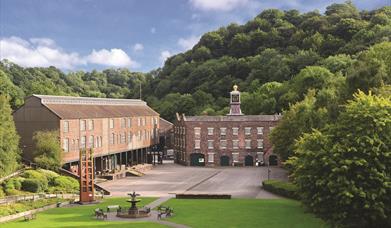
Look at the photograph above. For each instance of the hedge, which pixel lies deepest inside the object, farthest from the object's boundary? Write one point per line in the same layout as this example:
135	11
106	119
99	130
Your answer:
9	209
283	188
32	185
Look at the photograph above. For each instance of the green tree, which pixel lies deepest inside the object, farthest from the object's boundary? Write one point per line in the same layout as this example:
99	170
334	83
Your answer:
9	139
47	150
344	170
301	118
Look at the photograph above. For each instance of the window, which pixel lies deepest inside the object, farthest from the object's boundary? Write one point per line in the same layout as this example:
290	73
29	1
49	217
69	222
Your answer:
248	144
82	125
123	138
197	144
145	135
83	142
97	142
210	144
235	144
223	131
123	123
111	123
144	121
90	125
223	144
155	120
197	132
65	145
235	157
211	157
129	137
112	138
260	130
66	126
260	143
247	130
235	131
260	156
129	122
91	142
210	130
139	135
139	122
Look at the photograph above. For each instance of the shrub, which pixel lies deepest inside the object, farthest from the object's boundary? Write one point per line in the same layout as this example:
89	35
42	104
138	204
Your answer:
2	194
33	174
282	188
32	185
65	184
50	175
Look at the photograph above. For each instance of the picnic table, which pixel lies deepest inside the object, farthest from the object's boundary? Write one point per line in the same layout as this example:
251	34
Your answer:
100	214
116	207
163	210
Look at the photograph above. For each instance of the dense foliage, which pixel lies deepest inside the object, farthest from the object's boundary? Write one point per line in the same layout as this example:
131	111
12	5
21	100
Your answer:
47	149
283	188
344	170
9	139
9	209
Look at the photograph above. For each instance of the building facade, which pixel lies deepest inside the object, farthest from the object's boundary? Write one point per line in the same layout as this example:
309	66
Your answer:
231	140
120	131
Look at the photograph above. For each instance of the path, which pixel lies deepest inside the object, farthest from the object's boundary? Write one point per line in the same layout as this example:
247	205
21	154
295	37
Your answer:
111	216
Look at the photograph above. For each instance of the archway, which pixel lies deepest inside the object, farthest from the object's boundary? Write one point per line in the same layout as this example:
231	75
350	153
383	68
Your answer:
224	160
197	159
248	160
273	160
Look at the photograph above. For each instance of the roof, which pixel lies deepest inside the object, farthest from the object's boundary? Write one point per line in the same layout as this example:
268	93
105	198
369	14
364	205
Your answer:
86	107
234	118
165	124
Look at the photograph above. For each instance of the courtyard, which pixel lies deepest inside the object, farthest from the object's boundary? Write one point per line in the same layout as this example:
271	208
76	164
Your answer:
169	178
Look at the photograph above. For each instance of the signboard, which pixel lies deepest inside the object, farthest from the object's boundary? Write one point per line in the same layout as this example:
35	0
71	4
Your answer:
201	160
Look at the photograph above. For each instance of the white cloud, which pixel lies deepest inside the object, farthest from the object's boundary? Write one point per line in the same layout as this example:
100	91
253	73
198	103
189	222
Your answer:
164	55
138	47
44	52
153	30
37	52
113	57
188	43
218	5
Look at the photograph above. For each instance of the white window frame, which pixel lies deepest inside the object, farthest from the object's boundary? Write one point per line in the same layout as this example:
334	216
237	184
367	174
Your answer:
211	155
91	142
83	142
210	130
66	126
111	123
260	130
235	141
235	131
260	143
65	145
82	125
221	144
197	132
247	130
210	144
247	143
123	122
90	125
235	157
197	144
223	131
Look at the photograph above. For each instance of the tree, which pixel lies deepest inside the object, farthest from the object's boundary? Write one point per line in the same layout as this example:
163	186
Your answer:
8	88
344	171
9	139
47	150
301	118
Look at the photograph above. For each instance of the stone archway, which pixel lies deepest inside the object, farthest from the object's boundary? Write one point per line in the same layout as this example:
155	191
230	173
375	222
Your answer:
224	160
197	159
248	160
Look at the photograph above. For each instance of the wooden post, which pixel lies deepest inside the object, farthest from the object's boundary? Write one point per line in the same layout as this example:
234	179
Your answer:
86	171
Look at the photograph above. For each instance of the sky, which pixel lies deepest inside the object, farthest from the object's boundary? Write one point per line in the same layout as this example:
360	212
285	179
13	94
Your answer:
136	34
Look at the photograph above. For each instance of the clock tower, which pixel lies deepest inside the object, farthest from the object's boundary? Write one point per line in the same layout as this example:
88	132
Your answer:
235	102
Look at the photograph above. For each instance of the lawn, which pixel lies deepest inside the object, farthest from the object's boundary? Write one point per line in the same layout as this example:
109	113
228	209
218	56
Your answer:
242	213
81	216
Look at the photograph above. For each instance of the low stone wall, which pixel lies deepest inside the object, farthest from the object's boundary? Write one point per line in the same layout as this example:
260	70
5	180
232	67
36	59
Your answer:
203	196
22	214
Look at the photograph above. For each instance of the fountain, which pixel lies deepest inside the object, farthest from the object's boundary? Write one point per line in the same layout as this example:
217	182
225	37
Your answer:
133	211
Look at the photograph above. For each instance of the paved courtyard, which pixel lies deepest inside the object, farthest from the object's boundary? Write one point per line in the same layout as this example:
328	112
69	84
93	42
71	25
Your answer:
243	182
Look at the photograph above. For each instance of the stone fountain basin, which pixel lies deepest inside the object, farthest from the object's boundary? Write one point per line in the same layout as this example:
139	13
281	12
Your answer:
140	214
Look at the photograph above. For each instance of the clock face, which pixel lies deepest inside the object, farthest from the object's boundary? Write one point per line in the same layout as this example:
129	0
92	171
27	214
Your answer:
235	98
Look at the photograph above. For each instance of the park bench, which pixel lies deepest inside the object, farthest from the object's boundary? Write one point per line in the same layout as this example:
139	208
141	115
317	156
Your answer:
145	209
116	207
100	214
30	216
167	211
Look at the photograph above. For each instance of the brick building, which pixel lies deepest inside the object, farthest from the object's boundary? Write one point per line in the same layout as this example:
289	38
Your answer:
234	139
120	131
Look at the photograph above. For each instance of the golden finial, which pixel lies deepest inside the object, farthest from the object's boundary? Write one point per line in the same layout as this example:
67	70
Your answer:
235	88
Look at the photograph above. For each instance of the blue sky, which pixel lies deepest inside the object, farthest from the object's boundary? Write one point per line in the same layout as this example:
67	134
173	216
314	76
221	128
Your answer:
139	35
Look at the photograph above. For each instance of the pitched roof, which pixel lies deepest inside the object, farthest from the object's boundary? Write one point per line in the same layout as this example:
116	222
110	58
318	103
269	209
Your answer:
85	107
234	118
165	124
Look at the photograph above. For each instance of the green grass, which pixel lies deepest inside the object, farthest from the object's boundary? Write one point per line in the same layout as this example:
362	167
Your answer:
242	213
81	216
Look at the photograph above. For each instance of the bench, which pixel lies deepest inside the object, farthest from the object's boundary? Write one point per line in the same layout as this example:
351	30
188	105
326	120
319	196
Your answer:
30	216
167	211
100	214
116	207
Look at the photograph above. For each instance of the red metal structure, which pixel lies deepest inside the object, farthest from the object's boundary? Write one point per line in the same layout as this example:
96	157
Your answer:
86	172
